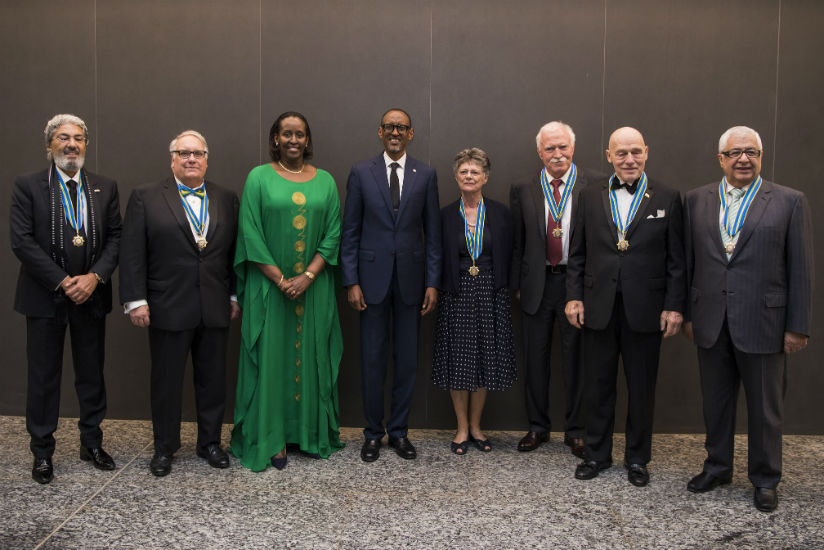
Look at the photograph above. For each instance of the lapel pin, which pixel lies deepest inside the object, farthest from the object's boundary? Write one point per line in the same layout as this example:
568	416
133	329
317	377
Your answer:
97	190
415	170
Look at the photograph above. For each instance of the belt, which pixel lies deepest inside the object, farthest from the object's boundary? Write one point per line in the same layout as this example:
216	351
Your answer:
555	269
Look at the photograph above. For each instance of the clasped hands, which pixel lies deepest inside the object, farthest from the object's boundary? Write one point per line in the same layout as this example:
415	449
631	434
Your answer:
80	287
294	287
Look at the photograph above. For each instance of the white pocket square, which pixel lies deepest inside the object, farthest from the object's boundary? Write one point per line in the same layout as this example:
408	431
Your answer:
659	214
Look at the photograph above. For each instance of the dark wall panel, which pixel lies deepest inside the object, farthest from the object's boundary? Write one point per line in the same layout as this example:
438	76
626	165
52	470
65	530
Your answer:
797	160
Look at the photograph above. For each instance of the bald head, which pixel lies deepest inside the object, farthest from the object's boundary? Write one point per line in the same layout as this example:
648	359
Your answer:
627	153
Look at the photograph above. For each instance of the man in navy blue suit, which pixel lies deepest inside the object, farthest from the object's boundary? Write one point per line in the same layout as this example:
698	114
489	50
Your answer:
391	263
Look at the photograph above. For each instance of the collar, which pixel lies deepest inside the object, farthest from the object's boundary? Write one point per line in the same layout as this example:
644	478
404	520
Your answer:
728	188
192	188
77	177
401	161
564	178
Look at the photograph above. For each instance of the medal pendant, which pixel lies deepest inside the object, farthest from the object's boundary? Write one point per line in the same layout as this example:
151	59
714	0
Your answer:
78	240
623	245
557	232
201	243
729	247
473	270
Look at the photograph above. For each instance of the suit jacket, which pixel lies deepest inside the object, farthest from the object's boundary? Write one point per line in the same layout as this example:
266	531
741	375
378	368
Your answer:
766	287
31	236
374	241
162	264
651	271
526	202
453	240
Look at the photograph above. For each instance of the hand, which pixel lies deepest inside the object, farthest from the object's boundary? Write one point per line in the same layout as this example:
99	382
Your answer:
79	288
355	298
686	330
670	323
794	342
574	311
140	316
234	310
430	300
295	287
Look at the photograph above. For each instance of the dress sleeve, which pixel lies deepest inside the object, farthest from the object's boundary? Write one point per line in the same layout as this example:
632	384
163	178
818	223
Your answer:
329	245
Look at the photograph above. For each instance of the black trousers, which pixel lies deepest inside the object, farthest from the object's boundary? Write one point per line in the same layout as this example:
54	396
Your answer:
375	323
724	368
169	350
639	352
537	352
45	338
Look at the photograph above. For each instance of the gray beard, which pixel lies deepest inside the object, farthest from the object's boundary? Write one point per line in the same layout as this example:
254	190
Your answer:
69	165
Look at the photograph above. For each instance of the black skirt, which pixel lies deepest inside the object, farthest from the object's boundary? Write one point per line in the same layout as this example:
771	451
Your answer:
473	339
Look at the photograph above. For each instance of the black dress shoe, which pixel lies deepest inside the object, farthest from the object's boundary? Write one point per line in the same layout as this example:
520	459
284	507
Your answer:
42	471
576	444
371	450
589	469
216	456
161	465
705	481
637	474
765	499
279	462
403	447
532	440
100	458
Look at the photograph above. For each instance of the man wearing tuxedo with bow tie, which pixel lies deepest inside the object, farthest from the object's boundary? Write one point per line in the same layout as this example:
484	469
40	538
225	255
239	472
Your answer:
65	229
625	287
750	278
176	278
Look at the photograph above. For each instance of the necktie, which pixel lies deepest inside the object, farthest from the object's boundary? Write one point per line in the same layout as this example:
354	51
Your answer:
554	246
732	211
395	186
72	185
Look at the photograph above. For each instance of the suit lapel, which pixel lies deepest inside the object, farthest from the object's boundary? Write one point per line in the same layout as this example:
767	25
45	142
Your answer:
713	230
757	210
172	197
381	181
536	194
215	213
641	213
608	208
410	179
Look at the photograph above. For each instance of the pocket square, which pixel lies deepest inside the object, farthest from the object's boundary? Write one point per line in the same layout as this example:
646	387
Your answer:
659	214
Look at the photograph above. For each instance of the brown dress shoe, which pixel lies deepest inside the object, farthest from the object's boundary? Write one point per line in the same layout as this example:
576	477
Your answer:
532	440
576	445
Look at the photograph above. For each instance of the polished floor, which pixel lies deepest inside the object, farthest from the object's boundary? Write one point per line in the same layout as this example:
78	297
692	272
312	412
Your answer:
500	500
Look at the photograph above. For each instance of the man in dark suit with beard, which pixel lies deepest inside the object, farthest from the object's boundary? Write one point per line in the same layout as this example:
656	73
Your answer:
65	229
625	286
750	278
543	213
176	278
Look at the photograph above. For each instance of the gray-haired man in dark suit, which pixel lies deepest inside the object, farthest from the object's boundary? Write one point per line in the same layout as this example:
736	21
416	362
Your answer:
750	275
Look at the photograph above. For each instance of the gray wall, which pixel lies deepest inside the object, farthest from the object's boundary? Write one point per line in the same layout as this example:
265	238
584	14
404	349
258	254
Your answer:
472	73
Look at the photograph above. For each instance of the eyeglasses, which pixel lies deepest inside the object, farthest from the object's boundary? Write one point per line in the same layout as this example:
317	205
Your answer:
736	153
390	128
185	155
64	138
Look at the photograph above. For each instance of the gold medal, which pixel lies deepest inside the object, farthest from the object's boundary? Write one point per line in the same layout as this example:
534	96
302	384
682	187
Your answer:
473	270
729	247
557	232
201	243
623	245
78	240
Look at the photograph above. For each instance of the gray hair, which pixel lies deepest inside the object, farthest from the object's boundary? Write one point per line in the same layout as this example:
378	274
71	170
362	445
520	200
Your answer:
555	125
56	122
474	154
194	134
737	131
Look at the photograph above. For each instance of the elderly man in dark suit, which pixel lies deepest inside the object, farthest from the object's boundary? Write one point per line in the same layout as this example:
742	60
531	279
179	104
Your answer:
543	212
65	229
391	264
750	276
625	286
176	278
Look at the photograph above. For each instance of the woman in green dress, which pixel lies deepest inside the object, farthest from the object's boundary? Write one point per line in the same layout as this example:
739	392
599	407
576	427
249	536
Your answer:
291	343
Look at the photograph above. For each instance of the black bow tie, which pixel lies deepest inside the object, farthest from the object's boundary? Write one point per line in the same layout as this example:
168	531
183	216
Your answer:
630	187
